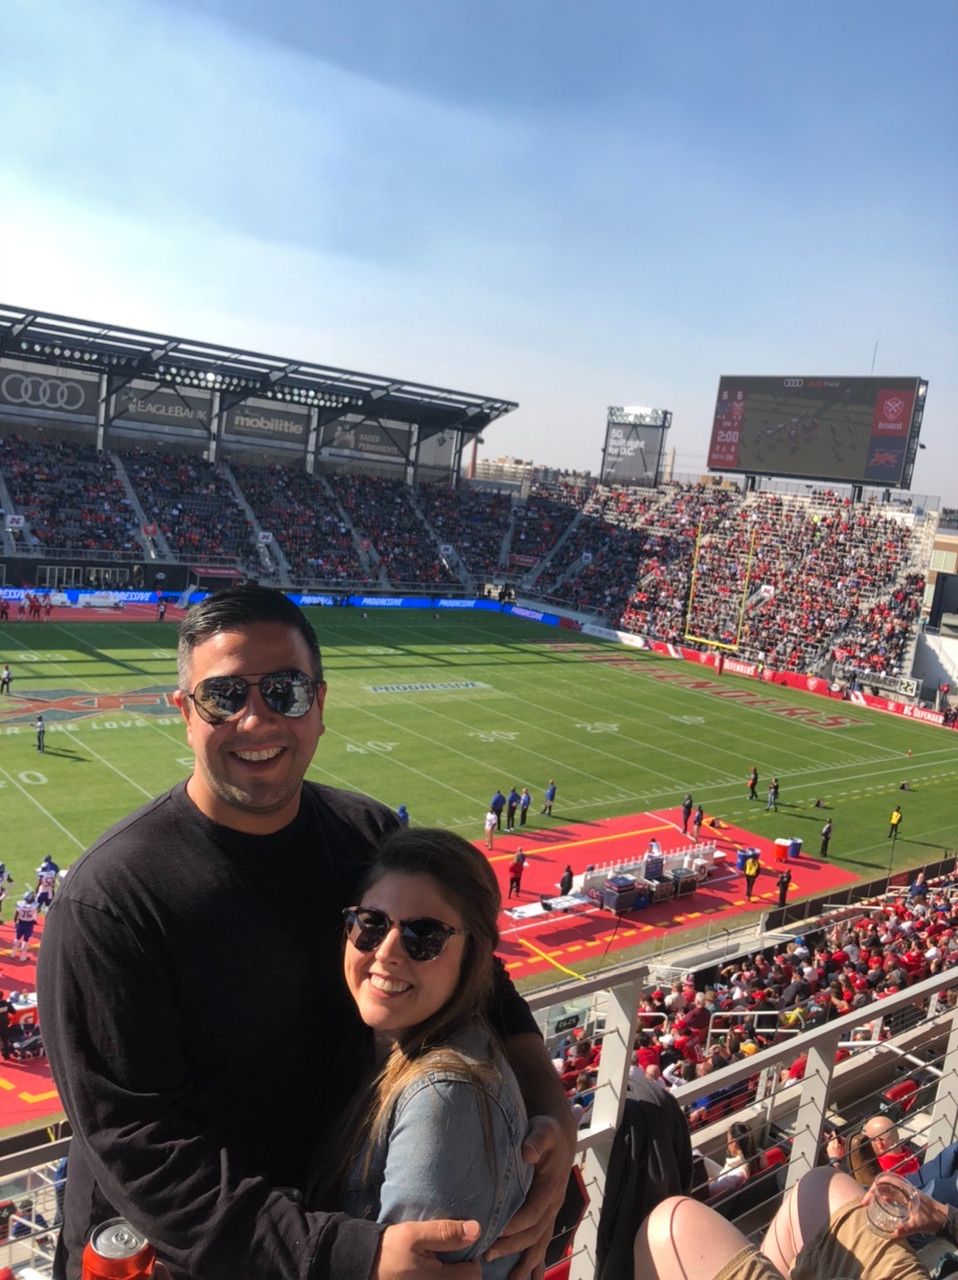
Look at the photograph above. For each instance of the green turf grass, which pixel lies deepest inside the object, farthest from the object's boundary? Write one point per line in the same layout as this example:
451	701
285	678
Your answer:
438	711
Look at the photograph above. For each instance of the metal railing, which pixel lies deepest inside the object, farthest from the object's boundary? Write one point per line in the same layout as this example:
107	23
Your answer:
803	1107
922	1019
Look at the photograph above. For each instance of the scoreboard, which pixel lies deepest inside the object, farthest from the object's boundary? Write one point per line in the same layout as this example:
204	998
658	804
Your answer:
851	430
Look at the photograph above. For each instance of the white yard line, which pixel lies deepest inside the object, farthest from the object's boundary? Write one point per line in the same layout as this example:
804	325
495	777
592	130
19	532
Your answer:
46	812
119	772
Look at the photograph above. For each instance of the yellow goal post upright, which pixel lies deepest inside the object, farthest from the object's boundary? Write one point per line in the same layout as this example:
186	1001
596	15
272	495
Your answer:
705	543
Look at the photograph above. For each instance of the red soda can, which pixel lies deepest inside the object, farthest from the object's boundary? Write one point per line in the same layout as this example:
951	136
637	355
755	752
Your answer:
117	1251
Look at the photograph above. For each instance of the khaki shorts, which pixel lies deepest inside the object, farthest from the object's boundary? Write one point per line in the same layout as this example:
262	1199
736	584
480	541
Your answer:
847	1249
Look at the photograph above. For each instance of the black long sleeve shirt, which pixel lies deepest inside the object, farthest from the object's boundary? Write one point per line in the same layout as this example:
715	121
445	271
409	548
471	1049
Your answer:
195	1015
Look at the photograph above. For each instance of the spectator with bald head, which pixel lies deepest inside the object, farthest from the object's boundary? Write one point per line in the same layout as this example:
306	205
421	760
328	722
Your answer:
892	1155
937	1177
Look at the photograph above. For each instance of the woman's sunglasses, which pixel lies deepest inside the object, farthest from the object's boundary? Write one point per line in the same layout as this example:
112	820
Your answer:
422	939
220	698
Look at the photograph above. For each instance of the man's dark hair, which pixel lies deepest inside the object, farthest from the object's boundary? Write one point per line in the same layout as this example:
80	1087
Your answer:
236	607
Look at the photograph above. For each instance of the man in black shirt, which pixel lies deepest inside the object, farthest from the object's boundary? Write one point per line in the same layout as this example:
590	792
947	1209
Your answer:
169	930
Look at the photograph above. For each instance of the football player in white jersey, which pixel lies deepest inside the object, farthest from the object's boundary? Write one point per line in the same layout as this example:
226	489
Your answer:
25	920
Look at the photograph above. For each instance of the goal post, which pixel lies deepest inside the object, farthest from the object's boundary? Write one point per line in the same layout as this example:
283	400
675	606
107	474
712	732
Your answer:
717	577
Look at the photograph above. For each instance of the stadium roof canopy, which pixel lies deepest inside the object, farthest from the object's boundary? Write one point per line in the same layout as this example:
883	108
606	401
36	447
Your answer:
125	355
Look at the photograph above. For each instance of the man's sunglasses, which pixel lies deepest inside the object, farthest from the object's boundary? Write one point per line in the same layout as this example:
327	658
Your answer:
220	698
422	939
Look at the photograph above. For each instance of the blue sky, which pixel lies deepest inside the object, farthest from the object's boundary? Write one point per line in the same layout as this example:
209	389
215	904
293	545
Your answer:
570	205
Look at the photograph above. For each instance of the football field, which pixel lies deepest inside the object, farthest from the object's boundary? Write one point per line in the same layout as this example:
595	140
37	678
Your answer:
437	711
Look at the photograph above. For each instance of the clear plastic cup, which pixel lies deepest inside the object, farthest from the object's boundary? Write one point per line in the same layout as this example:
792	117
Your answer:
889	1204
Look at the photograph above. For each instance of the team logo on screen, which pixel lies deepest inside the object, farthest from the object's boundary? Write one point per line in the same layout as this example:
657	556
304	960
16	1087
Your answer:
884	458
893	408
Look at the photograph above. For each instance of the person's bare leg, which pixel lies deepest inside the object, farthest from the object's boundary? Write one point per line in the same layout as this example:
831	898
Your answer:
806	1209
682	1239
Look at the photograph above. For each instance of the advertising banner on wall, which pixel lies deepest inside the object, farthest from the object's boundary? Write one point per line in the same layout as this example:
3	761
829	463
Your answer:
35	391
146	402
267	420
371	439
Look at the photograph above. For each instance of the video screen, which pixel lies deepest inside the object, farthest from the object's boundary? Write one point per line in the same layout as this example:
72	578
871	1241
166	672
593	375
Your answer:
842	429
631	455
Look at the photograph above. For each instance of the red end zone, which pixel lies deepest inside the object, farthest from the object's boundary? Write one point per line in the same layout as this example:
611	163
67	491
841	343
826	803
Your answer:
558	942
28	1096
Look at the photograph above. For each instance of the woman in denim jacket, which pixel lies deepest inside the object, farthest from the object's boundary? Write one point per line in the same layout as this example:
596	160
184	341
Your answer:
436	1130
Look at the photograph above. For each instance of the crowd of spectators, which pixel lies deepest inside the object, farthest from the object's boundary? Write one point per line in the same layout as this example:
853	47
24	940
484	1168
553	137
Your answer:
382	513
474	521
878	639
605	578
658	603
788	581
594	567
538	524
779	992
192	504
852	593
308	525
70	495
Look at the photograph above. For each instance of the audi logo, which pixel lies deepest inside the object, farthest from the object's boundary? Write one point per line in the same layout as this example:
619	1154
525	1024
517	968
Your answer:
794	382
41	393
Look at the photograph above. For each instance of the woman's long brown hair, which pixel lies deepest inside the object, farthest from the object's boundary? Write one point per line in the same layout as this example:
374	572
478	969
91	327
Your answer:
465	879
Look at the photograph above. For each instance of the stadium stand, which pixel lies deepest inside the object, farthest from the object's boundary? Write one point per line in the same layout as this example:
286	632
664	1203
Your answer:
796	582
193	505
304	517
854	583
70	495
383	515
539	524
475	522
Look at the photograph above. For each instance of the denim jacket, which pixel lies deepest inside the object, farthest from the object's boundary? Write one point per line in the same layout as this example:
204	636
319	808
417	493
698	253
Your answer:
436	1162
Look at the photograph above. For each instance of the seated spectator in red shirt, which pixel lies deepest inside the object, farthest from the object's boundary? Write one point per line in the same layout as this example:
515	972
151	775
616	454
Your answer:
698	1016
647	1053
796	1071
892	1154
